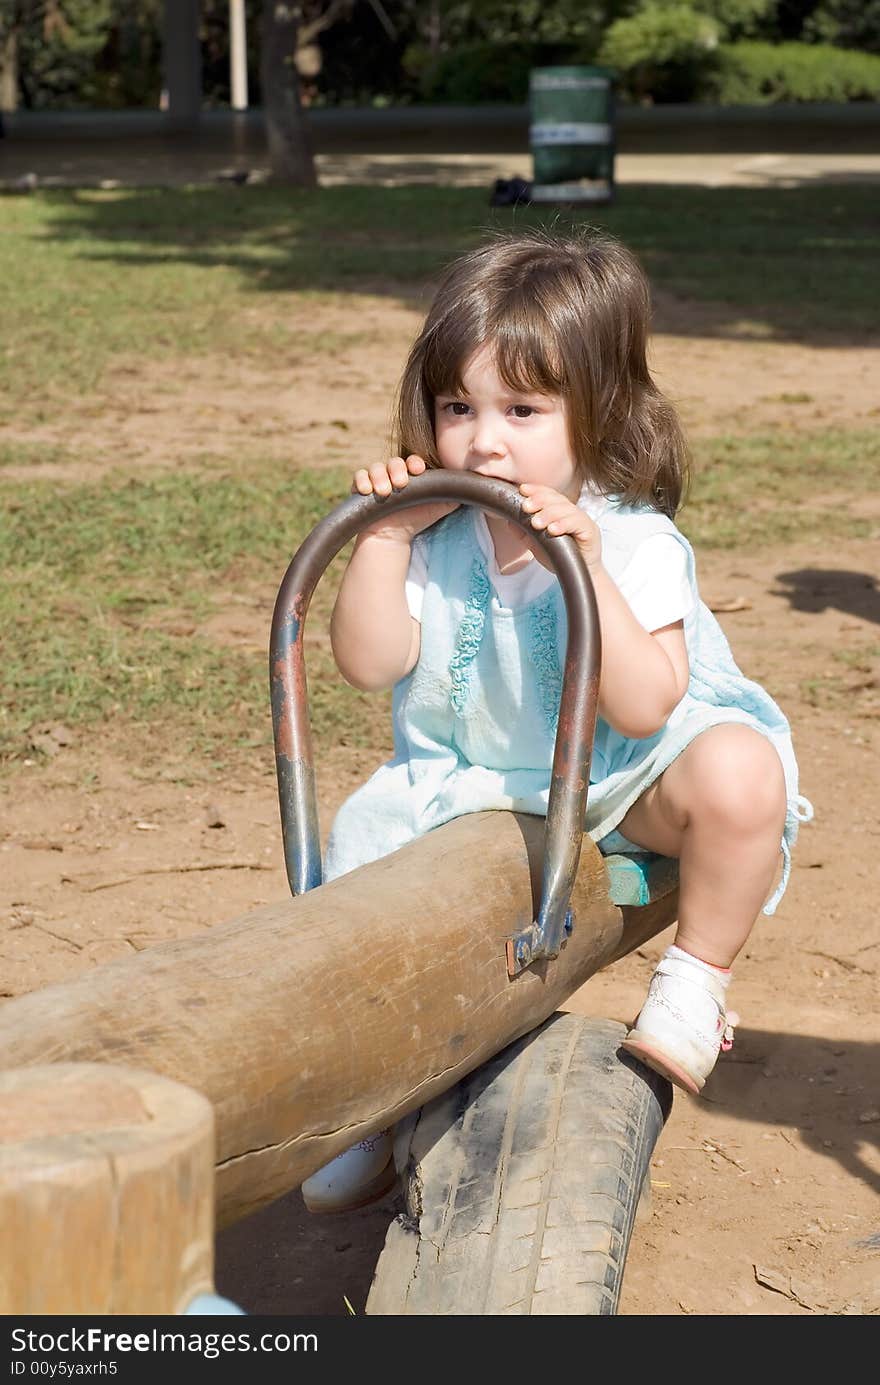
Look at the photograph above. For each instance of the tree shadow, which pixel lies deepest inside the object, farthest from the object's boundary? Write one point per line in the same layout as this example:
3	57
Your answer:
776	263
820	589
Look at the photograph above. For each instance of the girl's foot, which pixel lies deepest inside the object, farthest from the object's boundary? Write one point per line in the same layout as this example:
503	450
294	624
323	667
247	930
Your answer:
358	1176
684	1022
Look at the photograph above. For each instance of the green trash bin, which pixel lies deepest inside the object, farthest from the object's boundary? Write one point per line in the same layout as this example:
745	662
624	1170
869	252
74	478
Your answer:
572	134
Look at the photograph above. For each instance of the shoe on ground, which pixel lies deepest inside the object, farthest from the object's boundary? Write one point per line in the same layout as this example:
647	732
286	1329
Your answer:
355	1178
684	1023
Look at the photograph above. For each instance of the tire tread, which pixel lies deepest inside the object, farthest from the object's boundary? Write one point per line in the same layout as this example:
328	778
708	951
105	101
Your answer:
521	1184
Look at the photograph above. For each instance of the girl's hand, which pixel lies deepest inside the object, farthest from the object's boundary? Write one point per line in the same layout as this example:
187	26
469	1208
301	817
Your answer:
553	512
382	478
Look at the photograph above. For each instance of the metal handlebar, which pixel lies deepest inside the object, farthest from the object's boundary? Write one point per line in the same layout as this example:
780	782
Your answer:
570	775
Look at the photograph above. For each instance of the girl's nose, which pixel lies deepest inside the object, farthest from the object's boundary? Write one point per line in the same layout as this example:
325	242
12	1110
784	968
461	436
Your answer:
486	439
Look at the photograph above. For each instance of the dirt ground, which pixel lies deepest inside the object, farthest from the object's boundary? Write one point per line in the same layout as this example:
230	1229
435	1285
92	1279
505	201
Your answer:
765	1190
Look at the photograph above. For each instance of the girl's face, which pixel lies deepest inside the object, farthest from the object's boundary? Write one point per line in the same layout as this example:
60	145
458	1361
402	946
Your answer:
494	431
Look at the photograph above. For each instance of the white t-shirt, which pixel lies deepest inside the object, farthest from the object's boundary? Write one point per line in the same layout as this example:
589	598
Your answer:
654	584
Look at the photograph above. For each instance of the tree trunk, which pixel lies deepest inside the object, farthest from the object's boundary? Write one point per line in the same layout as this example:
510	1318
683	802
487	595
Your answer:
8	71
290	148
182	63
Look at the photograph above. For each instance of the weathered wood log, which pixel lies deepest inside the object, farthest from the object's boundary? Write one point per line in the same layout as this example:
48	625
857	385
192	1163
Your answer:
106	1191
312	1023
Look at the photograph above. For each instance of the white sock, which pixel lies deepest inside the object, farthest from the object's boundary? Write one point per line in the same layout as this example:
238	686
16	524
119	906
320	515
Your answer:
723	974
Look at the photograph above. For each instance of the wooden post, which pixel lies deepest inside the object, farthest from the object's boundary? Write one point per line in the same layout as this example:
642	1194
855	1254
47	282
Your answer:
316	1021
106	1191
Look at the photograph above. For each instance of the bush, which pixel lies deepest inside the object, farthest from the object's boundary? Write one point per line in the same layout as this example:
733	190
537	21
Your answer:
58	49
477	72
845	23
762	73
660	53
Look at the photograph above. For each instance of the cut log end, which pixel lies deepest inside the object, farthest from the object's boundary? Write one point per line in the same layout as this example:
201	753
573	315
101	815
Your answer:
106	1191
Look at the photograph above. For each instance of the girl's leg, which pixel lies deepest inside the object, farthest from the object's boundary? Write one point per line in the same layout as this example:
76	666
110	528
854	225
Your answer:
720	808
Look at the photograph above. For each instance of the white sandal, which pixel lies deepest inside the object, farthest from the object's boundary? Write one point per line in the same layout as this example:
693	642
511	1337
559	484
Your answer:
684	1023
355	1178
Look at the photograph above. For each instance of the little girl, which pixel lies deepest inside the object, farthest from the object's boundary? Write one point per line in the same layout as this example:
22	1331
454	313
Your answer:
531	368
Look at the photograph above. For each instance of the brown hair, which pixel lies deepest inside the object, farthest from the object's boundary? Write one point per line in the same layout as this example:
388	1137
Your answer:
566	316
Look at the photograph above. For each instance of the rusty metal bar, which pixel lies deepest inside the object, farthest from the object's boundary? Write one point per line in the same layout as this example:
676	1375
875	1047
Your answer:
570	776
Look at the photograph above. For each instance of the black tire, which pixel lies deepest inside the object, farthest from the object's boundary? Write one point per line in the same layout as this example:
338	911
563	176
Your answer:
522	1183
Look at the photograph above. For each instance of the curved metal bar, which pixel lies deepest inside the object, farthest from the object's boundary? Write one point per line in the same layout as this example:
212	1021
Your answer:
570	776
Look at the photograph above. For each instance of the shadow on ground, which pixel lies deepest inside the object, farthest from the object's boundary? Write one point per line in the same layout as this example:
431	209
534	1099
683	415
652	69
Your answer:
784	263
820	589
283	1260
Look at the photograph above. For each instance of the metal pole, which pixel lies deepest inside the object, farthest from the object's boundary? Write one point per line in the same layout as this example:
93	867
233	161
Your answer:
238	77
570	776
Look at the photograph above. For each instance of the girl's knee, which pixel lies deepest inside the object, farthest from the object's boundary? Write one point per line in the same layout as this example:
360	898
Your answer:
737	779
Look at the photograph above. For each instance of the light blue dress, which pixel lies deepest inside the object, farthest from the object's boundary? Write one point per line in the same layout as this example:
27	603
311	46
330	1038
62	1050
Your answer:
475	720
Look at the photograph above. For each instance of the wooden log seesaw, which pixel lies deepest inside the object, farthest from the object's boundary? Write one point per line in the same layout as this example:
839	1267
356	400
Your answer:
314	1022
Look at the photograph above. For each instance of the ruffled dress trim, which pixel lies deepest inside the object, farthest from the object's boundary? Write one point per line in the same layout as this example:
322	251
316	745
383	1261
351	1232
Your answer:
544	648
543	645
800	810
470	635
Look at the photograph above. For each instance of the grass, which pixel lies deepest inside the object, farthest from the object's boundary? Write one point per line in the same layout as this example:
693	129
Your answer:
108	588
90	274
105	585
859	674
25	454
728	509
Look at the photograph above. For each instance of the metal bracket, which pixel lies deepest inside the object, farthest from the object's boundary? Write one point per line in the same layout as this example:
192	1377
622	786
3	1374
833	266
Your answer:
536	942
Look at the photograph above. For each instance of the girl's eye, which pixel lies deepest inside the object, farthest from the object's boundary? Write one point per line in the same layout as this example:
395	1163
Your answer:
457	408
523	410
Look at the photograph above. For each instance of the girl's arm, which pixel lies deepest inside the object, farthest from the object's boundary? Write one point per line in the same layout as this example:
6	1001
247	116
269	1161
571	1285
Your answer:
374	638
644	675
